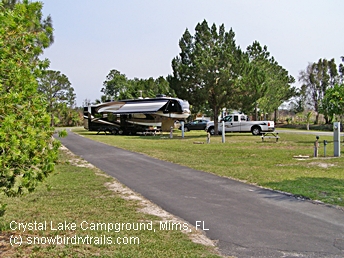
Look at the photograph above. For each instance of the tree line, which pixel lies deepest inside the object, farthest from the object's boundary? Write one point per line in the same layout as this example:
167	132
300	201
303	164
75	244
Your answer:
212	72
118	86
322	90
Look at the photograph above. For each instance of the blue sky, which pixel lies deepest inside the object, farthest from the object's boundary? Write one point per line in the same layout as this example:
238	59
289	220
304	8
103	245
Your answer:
140	38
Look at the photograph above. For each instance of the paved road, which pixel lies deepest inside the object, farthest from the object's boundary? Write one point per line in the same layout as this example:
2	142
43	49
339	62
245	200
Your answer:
246	220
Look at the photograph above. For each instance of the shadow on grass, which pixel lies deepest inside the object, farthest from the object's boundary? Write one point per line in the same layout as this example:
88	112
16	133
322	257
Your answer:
192	136
311	143
328	190
164	135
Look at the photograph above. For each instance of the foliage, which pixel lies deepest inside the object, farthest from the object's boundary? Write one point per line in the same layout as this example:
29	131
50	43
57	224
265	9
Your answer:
9	3
207	67
67	116
118	86
333	102
59	94
264	84
45	25
28	151
316	79
298	102
114	84
147	88
212	71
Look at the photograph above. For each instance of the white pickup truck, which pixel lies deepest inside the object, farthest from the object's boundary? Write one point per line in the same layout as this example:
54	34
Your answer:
241	123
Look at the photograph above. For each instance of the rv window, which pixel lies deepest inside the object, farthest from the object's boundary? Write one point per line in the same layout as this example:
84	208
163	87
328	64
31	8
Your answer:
172	107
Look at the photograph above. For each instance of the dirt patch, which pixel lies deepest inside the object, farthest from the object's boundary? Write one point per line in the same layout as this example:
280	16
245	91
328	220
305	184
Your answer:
317	163
321	164
75	160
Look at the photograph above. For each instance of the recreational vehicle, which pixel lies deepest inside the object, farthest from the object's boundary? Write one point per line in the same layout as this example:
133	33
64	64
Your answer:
135	115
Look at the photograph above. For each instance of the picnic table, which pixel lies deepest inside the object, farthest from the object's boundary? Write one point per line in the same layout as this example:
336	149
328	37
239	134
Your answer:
269	135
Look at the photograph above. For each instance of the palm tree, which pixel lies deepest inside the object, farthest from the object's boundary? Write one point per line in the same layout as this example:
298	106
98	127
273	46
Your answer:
308	118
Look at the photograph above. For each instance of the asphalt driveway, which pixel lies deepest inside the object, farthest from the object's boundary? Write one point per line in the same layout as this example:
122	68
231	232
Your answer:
247	221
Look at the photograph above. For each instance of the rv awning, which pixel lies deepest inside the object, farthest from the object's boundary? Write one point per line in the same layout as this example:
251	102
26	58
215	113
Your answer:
141	107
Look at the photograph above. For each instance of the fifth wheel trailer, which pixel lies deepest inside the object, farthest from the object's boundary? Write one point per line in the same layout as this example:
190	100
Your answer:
135	115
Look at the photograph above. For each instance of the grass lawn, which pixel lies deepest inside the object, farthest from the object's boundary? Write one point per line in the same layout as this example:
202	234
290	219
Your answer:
245	157
76	209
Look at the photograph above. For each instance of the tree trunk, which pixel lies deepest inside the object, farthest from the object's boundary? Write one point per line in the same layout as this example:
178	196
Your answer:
51	116
216	120
317	118
316	109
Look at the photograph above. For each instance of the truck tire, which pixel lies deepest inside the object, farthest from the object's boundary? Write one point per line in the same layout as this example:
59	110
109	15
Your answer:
186	129
256	130
211	130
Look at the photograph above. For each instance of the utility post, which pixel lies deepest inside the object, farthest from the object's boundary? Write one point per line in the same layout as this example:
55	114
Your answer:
336	138
223	131
316	146
182	125
223	126
208	137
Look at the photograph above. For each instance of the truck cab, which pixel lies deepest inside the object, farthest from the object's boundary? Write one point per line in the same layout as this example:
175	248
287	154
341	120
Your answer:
233	122
241	123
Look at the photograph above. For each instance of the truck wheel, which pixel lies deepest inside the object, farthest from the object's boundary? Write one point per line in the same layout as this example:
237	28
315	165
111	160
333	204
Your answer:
114	131
211	130
255	130
186	129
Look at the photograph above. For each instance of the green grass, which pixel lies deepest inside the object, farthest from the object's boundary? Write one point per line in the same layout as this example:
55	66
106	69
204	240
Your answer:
245	157
76	194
